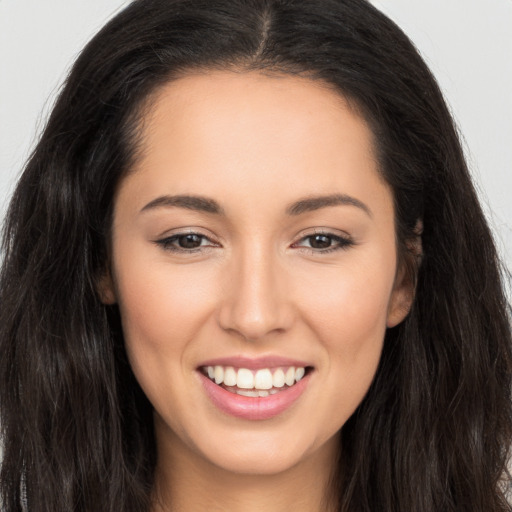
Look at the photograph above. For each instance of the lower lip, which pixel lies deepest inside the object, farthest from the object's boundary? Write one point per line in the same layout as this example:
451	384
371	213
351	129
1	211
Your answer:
253	408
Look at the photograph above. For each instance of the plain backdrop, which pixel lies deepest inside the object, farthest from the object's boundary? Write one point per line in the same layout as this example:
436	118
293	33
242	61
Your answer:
467	43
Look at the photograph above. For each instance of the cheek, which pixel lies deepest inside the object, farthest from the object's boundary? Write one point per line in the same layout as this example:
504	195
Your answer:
162	309
161	301
349	304
349	319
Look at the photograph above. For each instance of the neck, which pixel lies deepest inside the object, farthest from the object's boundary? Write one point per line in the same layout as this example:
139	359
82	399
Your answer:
185	482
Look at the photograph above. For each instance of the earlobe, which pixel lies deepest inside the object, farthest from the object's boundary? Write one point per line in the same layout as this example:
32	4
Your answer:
400	304
404	290
105	289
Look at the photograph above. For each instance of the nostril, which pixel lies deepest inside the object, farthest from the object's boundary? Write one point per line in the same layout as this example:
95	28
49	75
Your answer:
255	305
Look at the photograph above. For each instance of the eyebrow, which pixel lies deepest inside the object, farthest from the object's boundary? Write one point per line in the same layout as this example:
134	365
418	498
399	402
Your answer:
197	203
312	203
208	205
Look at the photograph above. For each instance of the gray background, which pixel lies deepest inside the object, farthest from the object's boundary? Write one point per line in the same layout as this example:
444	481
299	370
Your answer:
467	43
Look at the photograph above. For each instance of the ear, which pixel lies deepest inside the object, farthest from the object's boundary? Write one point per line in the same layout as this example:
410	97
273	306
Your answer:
402	298
404	288
105	288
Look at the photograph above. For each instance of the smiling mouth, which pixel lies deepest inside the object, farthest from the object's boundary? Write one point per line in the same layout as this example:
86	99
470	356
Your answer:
255	383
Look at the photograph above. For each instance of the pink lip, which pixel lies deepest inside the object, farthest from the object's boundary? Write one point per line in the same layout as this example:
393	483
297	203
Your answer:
256	363
253	408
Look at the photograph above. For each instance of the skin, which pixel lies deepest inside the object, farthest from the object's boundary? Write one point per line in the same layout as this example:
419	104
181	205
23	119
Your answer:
258	285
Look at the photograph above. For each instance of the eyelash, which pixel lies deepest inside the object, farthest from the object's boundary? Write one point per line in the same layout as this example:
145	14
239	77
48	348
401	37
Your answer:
344	243
166	243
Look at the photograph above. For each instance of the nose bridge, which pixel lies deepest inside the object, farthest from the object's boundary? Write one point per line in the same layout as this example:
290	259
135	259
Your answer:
256	303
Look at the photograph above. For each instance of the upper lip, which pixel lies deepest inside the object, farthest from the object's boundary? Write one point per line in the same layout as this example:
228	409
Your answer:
269	361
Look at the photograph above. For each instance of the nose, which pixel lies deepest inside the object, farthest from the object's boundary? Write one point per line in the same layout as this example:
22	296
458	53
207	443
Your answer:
255	300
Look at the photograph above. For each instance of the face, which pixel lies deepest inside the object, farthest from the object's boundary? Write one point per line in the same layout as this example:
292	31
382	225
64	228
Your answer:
254	264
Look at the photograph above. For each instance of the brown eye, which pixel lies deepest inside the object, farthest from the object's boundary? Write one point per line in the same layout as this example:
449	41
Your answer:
189	241
186	243
320	241
323	243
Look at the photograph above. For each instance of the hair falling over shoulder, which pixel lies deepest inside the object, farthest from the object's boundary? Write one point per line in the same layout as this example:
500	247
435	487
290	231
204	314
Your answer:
433	432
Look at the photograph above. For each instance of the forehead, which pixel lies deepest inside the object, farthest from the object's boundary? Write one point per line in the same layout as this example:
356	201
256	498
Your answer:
275	136
258	102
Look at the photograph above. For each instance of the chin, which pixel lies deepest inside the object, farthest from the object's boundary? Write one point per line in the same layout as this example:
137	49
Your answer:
254	463
265	454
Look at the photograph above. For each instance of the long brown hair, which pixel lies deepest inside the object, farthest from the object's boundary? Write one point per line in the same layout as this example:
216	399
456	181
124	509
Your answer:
434	430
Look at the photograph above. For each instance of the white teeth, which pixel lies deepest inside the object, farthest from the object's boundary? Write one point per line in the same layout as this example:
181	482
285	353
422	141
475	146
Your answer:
245	379
278	378
245	392
290	376
263	379
230	376
219	374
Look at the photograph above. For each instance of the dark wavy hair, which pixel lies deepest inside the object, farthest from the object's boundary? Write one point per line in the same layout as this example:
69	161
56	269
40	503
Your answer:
434	430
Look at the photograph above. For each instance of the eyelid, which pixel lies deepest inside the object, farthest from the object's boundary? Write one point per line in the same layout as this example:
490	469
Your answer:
343	239
189	230
165	240
322	231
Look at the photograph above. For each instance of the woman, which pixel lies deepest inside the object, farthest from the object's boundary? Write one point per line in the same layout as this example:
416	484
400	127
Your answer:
246	269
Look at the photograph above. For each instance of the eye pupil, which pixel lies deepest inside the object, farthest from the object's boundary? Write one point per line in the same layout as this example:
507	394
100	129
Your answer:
189	241
320	241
